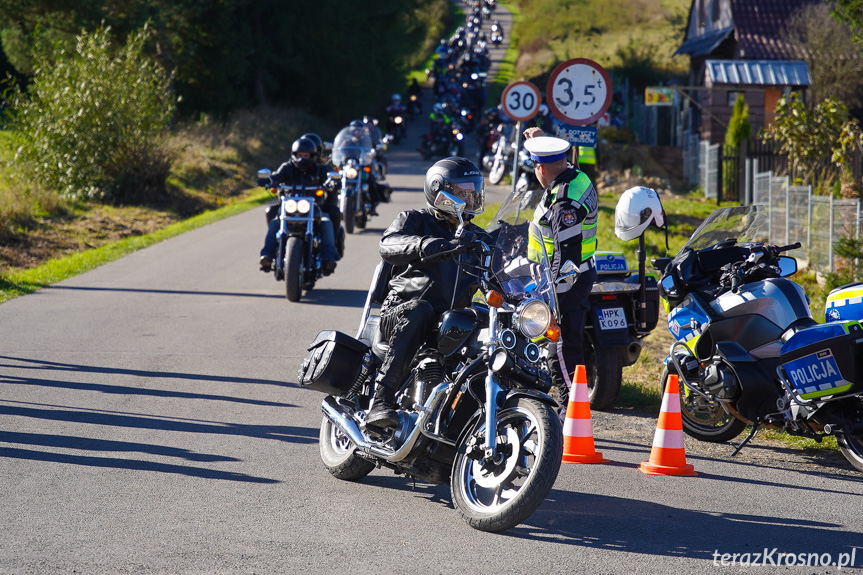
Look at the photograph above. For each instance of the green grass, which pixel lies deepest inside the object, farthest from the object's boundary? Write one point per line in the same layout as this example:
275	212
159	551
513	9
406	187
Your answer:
30	280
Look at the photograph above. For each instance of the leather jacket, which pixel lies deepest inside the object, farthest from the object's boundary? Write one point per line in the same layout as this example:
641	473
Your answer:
289	174
441	283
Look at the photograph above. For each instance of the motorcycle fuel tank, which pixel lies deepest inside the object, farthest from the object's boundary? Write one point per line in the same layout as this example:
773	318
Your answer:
778	300
456	327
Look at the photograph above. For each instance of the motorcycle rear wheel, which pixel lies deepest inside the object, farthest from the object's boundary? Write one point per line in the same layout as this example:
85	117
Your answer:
339	454
293	262
604	374
705	423
495	498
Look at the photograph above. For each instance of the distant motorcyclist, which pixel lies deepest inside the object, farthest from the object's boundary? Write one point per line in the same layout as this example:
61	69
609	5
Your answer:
420	292
396	109
303	170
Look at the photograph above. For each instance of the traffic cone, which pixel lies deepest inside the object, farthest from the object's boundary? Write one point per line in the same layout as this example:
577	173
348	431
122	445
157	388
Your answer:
668	457
577	430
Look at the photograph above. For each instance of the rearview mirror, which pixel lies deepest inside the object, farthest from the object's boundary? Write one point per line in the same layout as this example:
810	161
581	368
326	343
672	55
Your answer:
264	174
787	266
568	273
453	205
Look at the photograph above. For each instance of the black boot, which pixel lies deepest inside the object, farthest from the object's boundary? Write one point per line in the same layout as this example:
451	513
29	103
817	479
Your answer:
383	413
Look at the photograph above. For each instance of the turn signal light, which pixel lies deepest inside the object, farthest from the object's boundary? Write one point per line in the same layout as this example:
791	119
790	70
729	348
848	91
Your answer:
367	169
319	193
553	332
274	191
494	298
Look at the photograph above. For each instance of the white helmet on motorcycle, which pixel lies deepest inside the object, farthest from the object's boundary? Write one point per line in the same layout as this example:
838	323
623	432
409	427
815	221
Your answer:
637	208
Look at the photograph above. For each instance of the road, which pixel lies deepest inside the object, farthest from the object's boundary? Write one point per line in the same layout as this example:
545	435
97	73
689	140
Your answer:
150	423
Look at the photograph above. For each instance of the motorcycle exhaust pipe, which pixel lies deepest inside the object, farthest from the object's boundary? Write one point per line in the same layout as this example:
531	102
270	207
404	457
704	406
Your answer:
633	350
337	415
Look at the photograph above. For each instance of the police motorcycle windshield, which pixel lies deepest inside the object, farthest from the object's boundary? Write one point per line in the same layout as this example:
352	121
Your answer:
522	268
353	143
745	224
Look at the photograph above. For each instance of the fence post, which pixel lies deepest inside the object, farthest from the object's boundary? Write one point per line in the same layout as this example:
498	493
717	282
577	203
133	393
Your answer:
788	214
770	207
809	225
742	152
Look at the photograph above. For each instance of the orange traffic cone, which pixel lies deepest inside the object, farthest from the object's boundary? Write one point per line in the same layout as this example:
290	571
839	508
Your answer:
668	457
577	430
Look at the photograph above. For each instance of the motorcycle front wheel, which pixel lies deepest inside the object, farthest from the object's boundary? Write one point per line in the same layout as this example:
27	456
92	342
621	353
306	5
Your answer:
604	374
293	263
702	420
495	175
339	454
349	220
495	497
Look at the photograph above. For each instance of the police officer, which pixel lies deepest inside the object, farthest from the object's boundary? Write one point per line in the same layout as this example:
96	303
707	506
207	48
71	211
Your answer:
567	217
420	292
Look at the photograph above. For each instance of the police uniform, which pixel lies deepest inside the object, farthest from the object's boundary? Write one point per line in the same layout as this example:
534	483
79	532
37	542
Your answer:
567	217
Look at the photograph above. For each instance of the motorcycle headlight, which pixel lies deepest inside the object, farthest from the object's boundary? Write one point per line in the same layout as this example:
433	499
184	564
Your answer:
533	318
290	206
351	173
303	206
398	120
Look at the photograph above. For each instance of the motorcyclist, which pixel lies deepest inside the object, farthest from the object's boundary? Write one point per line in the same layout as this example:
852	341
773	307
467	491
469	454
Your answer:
396	108
414	89
421	291
303	170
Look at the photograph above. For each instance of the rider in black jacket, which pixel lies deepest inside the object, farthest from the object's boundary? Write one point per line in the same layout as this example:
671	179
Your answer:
420	292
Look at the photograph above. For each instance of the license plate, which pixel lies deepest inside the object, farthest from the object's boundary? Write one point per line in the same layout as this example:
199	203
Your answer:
611	318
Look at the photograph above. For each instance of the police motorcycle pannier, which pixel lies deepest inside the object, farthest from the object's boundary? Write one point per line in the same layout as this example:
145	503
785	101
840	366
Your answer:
333	363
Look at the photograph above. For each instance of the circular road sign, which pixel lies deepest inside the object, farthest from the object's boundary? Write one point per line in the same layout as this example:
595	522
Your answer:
578	91
521	101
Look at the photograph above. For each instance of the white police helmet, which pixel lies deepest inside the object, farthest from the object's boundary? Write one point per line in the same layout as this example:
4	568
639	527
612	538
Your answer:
637	208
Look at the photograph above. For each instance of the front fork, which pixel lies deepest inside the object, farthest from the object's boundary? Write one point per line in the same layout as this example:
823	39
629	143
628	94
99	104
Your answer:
493	393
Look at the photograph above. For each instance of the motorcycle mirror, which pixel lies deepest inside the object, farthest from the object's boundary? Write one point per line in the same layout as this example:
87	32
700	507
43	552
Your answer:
334	175
787	266
450	204
264	174
568	273
328	146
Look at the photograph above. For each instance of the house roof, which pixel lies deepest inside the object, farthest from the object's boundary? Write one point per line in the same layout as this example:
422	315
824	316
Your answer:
758	72
760	26
704	45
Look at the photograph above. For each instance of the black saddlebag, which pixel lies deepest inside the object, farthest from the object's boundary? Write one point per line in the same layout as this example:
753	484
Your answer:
333	363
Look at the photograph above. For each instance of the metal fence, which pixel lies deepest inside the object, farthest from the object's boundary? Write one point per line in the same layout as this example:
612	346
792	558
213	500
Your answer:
796	215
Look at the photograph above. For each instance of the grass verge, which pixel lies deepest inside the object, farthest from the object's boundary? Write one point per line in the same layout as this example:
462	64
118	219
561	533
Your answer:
27	281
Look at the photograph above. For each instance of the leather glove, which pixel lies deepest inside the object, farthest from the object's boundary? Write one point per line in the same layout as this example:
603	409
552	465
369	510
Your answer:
264	182
434	246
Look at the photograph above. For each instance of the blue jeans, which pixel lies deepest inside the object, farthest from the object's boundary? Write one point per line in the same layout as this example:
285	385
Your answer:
328	239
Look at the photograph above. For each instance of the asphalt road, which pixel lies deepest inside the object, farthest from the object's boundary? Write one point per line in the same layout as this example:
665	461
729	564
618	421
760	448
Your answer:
150	423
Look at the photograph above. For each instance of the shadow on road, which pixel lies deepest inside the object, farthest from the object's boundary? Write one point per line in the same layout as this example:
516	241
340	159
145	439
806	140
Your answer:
636	526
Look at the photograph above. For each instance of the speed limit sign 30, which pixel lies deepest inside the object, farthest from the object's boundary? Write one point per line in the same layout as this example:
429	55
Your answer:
521	101
579	91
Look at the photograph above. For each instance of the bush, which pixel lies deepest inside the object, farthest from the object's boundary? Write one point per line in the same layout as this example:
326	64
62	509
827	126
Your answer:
91	123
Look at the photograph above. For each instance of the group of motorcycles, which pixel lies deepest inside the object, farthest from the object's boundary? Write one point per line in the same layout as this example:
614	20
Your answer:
358	169
475	412
459	72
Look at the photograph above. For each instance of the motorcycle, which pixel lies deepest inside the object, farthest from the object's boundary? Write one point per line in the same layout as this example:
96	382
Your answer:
499	157
526	176
353	156
414	106
298	261
748	351
496	34
396	128
474	411
445	142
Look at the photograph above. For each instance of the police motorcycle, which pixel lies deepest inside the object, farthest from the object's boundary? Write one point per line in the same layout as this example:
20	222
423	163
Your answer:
353	156
474	411
748	351
298	261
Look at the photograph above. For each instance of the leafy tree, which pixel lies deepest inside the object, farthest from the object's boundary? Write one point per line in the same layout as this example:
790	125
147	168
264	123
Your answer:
816	139
739	130
90	123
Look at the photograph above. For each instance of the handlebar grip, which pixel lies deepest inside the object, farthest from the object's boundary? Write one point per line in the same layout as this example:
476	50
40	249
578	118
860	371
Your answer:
790	247
735	282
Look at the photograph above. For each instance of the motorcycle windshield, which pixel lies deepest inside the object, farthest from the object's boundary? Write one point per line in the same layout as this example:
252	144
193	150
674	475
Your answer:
521	266
741	223
352	143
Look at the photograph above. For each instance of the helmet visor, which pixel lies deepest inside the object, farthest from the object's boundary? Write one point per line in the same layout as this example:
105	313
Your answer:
471	189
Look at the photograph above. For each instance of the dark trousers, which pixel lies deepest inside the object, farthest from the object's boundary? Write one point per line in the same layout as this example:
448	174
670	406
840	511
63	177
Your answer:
574	306
405	325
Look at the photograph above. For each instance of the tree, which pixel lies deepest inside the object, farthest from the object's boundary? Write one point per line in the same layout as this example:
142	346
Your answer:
91	122
835	62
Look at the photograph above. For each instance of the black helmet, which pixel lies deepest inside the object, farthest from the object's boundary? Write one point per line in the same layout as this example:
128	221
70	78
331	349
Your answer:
459	177
304	145
356	124
319	143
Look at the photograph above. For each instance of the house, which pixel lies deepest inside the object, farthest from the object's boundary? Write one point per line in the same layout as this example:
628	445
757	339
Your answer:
736	47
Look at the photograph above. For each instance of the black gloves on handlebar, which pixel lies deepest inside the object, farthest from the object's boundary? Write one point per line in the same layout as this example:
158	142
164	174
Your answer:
434	246
264	182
